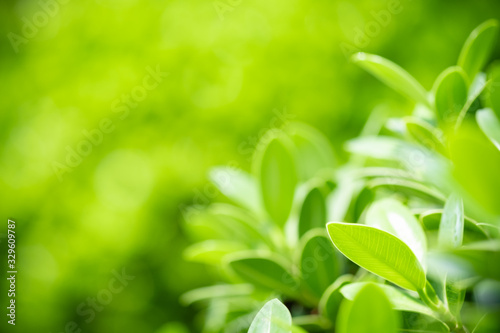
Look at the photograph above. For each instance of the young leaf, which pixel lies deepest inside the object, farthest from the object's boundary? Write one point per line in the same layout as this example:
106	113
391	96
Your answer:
278	178
238	186
398	299
393	217
450	94
451	227
264	271
369	312
319	263
313	150
489	124
274	317
312	212
379	252
477	48
330	301
392	75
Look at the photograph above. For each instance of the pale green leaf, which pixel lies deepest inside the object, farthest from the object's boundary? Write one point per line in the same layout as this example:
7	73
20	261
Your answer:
477	48
212	251
392	75
313	150
238	186
379	252
490	125
217	291
451	227
274	317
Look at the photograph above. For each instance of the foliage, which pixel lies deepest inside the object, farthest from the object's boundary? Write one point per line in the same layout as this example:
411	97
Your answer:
415	211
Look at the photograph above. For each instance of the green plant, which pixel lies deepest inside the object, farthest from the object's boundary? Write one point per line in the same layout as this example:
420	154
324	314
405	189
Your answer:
413	192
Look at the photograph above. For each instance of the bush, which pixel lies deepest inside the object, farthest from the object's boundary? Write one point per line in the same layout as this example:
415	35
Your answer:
418	205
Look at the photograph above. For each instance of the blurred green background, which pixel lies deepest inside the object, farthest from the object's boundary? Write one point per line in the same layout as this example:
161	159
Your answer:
100	158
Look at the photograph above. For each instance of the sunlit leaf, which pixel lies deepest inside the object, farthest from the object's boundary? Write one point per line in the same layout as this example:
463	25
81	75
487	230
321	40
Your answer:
393	217
477	48
451	228
392	75
277	176
369	312
274	317
379	252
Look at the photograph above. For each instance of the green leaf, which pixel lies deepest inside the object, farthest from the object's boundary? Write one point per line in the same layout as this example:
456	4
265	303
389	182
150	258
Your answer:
330	301
274	317
393	217
313	150
278	178
217	291
425	134
450	94
477	48
476	162
212	251
451	227
223	221
379	252
312	212
266	271
489	124
431	220
392	75
398	299
319	262
492	94
238	186
369	312
409	188
455	296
